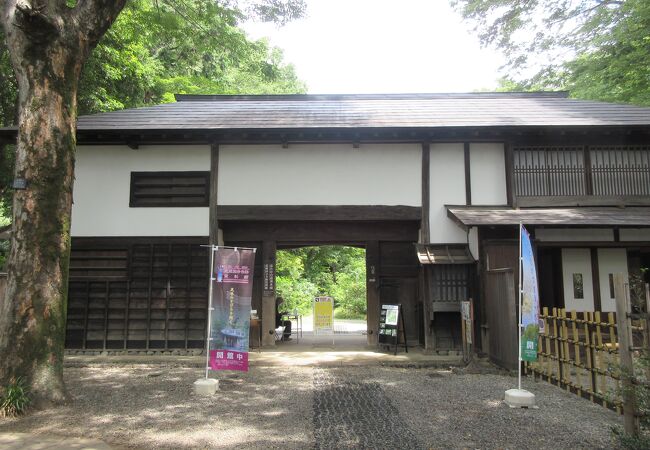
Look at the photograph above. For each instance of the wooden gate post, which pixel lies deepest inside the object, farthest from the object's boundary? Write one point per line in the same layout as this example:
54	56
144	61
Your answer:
625	355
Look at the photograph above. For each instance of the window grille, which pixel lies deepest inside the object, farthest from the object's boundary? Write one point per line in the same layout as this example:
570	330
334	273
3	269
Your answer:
544	171
169	189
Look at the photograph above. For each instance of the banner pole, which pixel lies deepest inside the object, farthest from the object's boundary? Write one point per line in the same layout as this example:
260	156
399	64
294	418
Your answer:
207	339
519	321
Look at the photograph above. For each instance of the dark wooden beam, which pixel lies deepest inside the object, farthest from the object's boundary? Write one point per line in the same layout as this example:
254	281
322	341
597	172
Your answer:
595	276
317	213
214	182
315	233
468	174
372	290
268	292
509	174
425	232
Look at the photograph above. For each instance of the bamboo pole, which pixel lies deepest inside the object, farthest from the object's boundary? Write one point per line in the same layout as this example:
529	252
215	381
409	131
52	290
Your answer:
589	355
558	351
576	351
625	355
613	342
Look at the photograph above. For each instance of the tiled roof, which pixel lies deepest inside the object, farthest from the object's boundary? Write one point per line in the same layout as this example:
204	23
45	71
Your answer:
369	111
588	216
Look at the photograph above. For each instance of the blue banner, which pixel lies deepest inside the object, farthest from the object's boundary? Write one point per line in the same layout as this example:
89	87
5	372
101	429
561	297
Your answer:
529	299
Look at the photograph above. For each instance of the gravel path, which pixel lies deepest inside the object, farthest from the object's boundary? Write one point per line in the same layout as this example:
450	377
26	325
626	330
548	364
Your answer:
316	407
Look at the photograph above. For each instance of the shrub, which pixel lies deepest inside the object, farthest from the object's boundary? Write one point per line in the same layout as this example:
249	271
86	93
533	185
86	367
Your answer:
15	400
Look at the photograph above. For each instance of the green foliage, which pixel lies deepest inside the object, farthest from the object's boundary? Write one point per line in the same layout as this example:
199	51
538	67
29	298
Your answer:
596	49
157	49
336	271
15	399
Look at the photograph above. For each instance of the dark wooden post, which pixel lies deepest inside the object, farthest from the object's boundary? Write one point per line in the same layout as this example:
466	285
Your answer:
595	277
625	355
372	290
425	238
268	293
214	177
468	174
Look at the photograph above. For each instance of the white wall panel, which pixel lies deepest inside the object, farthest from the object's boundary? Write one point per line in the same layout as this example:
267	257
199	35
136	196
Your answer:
102	184
447	183
488	174
577	261
320	174
610	261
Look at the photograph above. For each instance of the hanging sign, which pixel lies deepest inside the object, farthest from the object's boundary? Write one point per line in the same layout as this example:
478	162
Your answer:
230	306
323	314
466	314
529	300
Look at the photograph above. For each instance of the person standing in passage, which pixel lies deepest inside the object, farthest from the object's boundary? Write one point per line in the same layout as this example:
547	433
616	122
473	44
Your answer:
278	319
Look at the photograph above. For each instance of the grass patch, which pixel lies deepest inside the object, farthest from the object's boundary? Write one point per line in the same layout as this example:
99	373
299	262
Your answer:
15	400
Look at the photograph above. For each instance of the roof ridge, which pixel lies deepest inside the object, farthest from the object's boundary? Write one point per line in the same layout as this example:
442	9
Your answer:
396	96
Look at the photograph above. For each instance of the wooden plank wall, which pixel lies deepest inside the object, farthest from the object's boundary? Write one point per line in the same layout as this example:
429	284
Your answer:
137	294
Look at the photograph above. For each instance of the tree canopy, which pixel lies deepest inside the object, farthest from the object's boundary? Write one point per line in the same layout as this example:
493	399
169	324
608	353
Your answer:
334	271
596	49
159	48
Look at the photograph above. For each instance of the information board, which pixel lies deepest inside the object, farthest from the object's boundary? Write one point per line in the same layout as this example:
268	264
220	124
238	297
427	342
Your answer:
388	324
323	315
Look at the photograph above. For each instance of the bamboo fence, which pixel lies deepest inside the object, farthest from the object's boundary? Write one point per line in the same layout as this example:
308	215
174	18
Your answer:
592	353
579	352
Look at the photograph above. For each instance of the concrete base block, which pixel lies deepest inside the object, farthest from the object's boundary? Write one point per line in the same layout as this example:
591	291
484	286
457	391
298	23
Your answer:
206	386
520	398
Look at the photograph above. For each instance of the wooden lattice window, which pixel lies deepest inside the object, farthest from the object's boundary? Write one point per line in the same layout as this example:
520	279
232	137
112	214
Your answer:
543	171
451	282
169	189
621	169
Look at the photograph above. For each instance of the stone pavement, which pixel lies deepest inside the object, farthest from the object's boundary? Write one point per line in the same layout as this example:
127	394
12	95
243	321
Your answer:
348	413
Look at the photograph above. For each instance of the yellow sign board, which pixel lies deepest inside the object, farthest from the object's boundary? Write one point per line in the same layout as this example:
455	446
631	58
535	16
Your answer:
323	314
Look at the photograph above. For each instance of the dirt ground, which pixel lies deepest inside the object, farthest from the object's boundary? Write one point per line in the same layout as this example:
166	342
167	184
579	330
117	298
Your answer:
153	406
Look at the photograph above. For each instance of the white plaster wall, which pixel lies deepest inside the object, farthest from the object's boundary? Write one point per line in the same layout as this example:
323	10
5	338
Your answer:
577	260
634	234
101	191
488	174
610	261
320	174
447	187
574	234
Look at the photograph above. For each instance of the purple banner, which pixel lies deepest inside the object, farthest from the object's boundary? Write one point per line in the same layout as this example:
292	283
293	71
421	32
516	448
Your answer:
232	287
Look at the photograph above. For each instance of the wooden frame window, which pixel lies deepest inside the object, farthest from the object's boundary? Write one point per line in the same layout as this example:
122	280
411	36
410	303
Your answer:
169	189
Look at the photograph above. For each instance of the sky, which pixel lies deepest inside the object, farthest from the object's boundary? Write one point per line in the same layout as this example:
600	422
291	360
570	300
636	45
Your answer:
382	46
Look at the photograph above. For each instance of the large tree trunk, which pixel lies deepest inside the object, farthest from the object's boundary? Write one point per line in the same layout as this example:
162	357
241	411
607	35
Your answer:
48	43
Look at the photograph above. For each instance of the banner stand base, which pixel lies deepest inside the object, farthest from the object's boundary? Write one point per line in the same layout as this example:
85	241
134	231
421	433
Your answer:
206	386
520	398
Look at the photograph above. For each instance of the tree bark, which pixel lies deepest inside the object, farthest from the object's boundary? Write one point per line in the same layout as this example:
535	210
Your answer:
48	43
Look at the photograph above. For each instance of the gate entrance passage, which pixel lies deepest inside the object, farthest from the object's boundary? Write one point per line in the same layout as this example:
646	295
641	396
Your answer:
391	264
321	296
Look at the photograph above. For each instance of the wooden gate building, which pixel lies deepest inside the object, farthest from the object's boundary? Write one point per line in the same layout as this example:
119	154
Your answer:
433	186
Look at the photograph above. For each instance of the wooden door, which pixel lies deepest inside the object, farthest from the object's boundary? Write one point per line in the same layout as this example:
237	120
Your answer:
501	312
